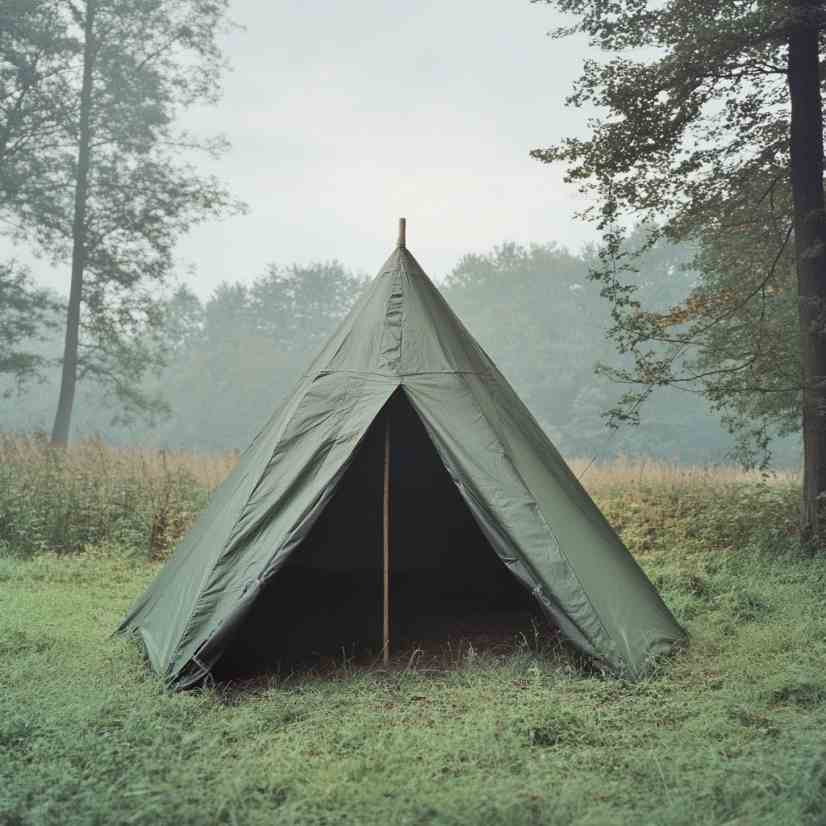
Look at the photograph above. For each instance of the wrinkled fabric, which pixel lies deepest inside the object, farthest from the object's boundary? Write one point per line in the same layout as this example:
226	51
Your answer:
402	336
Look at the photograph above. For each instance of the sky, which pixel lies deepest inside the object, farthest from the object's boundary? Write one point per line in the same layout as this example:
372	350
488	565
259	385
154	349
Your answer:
344	116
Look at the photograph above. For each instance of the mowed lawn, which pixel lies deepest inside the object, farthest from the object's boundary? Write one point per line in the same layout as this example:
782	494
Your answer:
732	731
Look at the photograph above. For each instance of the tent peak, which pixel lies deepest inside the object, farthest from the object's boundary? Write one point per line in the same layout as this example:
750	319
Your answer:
402	233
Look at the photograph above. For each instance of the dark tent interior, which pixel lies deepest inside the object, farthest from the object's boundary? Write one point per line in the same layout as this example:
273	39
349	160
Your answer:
447	583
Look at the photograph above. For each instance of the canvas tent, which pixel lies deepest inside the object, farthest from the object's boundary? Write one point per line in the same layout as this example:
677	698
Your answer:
479	494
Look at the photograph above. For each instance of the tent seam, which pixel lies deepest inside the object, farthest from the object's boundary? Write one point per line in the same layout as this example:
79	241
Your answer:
397	274
401	276
484	375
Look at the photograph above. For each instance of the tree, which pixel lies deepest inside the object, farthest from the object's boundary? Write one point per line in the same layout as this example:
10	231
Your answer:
534	310
110	189
35	58
297	307
503	298
243	352
25	313
712	133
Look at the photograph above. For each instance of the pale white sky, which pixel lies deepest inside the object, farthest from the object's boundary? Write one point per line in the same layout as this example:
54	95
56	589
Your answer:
344	116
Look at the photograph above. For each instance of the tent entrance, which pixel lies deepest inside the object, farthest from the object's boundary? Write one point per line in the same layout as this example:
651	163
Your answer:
447	585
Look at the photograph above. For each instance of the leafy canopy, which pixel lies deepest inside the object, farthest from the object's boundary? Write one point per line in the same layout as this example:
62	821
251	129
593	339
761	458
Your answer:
26	314
151	60
690	135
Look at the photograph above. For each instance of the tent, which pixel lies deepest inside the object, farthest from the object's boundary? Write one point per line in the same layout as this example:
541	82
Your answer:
402	450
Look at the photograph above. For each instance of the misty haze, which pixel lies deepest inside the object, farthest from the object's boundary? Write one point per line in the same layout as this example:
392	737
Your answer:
412	413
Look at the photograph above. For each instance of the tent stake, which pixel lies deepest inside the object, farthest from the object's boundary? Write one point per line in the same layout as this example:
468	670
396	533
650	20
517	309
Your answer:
386	540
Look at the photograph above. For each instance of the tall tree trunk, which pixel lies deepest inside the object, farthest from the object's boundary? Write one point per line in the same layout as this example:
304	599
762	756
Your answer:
810	241
68	381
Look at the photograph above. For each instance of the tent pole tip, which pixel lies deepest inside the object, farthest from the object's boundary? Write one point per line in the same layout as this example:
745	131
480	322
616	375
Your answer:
402	232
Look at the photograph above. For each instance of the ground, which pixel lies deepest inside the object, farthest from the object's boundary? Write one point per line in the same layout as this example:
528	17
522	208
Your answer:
730	731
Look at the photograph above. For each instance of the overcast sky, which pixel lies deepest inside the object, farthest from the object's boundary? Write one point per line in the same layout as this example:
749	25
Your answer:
344	116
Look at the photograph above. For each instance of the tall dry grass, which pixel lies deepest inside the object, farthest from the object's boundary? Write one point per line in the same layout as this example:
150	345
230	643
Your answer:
630	472
91	493
146	499
93	458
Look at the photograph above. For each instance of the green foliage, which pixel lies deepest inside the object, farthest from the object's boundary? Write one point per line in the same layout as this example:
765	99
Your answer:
691	137
149	61
61	502
297	307
26	313
543	288
728	731
35	47
719	517
535	311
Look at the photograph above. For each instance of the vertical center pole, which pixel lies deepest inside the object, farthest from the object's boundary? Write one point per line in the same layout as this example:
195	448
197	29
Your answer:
386	538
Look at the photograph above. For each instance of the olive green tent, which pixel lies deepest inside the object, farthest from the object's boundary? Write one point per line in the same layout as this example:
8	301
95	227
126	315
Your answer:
474	479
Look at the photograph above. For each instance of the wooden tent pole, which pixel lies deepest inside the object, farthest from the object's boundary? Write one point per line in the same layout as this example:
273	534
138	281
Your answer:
386	540
386	509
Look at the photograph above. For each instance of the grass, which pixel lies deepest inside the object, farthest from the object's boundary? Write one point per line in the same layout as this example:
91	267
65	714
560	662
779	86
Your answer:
91	494
146	499
731	731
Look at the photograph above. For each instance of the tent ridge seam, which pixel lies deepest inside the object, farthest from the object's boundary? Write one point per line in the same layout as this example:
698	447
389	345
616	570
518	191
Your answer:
397	296
328	372
403	274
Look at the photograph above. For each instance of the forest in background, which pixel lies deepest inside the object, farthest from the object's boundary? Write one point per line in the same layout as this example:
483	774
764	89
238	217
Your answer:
705	327
232	358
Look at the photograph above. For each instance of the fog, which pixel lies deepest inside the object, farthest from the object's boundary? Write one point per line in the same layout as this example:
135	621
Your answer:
236	356
344	116
341	118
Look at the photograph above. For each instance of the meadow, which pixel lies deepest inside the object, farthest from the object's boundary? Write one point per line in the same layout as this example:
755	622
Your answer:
732	730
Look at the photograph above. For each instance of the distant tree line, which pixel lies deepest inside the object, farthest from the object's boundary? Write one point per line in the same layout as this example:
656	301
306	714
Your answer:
233	357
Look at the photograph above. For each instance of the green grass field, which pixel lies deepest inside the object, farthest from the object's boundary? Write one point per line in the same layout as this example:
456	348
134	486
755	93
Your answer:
731	731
